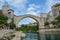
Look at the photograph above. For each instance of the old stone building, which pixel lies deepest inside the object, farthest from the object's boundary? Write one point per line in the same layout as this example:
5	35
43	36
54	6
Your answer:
7	12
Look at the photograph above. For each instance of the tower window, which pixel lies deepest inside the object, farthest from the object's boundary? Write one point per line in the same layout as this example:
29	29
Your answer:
9	12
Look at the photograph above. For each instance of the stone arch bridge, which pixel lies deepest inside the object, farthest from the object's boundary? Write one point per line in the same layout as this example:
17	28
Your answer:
36	18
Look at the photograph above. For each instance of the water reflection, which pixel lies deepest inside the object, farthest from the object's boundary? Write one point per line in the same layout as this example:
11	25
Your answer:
31	36
42	36
50	36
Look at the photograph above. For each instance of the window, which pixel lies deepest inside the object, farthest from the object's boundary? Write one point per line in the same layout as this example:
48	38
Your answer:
9	12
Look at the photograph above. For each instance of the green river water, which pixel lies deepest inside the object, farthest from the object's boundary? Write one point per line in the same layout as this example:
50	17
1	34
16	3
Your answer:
44	36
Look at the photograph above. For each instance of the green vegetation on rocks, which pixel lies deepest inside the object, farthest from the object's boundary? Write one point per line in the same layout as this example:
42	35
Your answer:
27	28
55	23
3	19
12	25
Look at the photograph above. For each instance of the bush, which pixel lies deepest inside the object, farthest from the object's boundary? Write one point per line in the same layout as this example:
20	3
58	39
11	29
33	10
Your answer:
46	23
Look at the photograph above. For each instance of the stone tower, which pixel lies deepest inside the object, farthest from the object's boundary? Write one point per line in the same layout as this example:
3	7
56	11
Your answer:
10	15
56	9
43	17
8	12
5	9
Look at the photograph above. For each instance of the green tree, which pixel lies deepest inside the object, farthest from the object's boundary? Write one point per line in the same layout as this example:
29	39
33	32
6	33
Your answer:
46	23
12	25
27	28
3	19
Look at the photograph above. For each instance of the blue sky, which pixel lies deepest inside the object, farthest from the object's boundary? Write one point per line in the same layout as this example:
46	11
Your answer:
34	7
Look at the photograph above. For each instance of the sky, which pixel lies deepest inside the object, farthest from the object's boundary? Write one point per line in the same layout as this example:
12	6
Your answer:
34	7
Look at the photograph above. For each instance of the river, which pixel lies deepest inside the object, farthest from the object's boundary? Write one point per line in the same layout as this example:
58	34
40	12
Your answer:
42	36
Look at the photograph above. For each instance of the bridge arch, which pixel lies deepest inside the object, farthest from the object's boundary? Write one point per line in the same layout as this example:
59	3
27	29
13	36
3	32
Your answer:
37	23
19	18
28	17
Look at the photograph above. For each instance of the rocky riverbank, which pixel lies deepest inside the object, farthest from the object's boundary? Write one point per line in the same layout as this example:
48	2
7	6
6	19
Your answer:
11	35
6	34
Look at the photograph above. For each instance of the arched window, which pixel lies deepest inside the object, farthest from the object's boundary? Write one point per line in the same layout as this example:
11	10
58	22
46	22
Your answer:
9	12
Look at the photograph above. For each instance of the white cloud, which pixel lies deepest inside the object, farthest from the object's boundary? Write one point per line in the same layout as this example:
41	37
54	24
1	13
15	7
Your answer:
33	9
9	0
32	12
1	0
33	5
1	3
19	4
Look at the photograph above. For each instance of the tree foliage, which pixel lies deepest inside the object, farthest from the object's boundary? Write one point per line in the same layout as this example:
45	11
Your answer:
12	25
46	23
3	19
27	28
